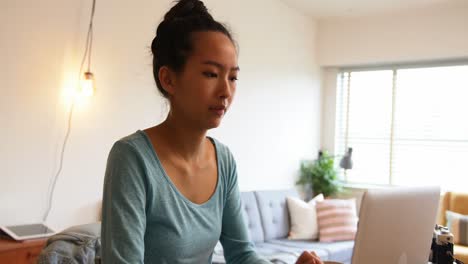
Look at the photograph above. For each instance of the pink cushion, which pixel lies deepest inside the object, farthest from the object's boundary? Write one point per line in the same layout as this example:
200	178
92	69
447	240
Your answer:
337	220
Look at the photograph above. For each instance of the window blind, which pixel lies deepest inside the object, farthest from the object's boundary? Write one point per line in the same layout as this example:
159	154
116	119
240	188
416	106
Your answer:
406	126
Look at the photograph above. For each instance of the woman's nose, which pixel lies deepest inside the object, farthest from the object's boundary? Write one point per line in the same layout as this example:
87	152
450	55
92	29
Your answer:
226	89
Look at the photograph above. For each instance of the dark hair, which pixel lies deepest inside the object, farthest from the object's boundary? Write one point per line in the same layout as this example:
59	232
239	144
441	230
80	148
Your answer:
173	42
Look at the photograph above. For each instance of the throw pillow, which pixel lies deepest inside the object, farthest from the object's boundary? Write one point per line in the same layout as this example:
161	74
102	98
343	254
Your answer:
303	218
458	225
337	220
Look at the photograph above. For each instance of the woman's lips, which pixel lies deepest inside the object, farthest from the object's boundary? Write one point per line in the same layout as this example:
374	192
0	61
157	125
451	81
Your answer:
218	110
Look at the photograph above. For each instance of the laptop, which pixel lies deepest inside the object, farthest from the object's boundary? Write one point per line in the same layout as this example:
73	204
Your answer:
396	226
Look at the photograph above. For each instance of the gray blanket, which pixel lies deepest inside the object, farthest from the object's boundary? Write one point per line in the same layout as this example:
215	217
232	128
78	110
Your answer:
79	244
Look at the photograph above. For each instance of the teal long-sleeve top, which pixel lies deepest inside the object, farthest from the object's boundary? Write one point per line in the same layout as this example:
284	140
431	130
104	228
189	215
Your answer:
145	219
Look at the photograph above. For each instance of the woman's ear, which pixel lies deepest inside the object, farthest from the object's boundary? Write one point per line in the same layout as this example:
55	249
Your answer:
167	77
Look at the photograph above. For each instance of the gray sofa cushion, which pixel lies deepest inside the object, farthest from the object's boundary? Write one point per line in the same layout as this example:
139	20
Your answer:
275	253
274	212
270	249
252	216
337	251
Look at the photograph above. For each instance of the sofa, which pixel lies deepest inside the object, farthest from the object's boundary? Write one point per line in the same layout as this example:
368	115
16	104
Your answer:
265	214
267	218
455	202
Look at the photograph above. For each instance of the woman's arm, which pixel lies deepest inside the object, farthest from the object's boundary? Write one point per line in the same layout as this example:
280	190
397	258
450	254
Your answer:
234	236
123	209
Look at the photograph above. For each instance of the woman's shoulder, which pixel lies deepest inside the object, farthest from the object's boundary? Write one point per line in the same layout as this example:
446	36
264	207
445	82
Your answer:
133	143
133	139
223	151
226	162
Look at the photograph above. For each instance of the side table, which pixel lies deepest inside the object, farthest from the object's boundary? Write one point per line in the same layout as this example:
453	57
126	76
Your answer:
20	252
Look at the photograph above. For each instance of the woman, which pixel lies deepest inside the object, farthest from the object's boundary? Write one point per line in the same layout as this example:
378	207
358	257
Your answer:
170	192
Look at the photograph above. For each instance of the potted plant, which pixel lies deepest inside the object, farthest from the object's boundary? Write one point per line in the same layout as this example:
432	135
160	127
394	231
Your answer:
319	176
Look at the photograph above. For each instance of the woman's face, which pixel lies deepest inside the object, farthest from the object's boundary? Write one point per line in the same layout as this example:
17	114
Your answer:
205	88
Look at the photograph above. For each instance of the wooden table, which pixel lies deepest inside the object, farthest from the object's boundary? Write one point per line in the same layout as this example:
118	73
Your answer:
23	252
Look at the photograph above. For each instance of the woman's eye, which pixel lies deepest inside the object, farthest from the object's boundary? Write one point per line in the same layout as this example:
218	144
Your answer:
233	79
210	74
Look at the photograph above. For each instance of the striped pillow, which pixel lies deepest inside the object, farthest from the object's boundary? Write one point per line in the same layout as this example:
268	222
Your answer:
458	225
337	220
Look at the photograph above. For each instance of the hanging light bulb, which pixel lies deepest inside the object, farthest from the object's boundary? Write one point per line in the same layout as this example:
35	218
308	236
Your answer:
87	84
85	89
87	80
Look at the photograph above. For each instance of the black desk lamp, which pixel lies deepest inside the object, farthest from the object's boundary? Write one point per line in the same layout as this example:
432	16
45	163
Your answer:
346	162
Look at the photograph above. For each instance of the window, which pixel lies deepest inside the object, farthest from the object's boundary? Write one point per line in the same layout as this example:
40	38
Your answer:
407	126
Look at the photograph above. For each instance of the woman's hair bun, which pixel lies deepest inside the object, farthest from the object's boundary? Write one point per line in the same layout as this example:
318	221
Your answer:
188	9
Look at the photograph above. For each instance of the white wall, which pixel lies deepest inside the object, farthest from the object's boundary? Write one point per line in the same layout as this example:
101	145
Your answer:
275	120
417	37
327	138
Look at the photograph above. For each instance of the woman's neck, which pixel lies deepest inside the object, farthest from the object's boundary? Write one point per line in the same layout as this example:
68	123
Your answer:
185	141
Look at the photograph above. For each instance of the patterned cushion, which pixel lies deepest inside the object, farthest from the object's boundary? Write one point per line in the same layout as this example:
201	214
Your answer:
337	220
458	225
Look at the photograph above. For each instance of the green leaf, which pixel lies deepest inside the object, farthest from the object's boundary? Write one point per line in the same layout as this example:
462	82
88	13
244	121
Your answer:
320	174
